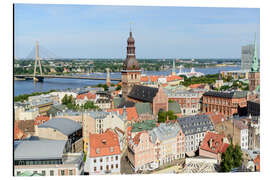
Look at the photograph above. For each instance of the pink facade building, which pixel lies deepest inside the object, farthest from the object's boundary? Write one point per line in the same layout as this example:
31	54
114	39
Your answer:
141	151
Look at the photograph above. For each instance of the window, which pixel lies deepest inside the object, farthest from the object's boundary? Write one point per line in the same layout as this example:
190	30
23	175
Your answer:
107	167
95	169
101	159
62	172
116	158
101	167
95	160
70	172
107	159
112	166
35	172
43	173
18	172
51	173
111	149
111	158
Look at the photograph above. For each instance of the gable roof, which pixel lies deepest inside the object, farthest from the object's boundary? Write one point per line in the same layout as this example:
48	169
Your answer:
41	119
131	112
213	142
143	108
173	78
104	144
195	124
88	95
175	107
64	125
143	93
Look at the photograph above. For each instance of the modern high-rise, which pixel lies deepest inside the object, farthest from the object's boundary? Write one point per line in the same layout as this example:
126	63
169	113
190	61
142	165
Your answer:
247	56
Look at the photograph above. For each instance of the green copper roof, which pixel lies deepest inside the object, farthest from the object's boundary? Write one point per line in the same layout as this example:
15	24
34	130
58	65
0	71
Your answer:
145	125
143	108
255	63
174	106
28	173
117	101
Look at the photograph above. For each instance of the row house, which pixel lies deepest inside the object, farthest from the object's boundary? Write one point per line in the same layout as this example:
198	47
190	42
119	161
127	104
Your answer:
22	113
81	99
104	154
213	145
169	143
194	128
227	103
189	101
62	129
99	121
141	151
235	130
46	158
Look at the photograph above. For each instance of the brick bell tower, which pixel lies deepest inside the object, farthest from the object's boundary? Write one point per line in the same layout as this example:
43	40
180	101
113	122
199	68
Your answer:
131	73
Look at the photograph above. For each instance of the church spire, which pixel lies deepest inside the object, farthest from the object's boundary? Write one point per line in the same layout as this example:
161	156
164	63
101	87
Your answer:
255	64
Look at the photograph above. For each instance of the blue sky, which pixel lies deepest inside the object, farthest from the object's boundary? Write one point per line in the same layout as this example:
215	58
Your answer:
90	31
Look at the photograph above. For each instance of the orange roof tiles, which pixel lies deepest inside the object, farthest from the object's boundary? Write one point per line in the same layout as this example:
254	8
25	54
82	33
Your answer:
41	119
88	95
173	78
216	118
131	113
144	78
154	78
213	142
18	133
136	138
104	144
257	162
194	86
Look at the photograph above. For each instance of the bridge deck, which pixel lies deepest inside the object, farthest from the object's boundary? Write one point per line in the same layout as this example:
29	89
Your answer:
65	77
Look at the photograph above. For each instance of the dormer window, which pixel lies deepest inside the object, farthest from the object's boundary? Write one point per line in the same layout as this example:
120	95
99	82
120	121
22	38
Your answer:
111	149
97	150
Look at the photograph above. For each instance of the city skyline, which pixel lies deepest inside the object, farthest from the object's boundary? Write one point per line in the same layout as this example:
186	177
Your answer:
160	32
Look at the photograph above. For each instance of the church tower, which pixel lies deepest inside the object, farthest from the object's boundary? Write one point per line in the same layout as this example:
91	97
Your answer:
131	73
254	75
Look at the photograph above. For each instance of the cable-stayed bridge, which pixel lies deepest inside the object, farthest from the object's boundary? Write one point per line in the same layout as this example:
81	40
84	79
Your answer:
46	54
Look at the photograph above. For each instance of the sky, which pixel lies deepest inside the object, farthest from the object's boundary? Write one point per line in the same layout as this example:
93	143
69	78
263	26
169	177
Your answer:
91	31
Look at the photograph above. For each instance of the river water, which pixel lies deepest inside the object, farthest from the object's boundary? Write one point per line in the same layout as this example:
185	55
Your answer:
28	86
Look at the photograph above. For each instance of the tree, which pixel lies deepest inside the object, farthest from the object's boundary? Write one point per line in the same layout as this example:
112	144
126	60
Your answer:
171	116
231	158
118	87
89	105
162	116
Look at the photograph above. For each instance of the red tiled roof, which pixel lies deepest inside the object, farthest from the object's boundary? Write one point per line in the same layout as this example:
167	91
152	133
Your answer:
154	78
173	78
18	133
104	144
217	143
164	85
194	86
257	162
131	113
136	138
41	119
144	78
216	118
88	95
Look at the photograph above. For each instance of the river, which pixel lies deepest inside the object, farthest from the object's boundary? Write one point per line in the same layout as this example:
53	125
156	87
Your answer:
28	86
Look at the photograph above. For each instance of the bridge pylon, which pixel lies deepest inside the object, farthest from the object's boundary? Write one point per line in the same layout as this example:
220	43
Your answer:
108	79
37	60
